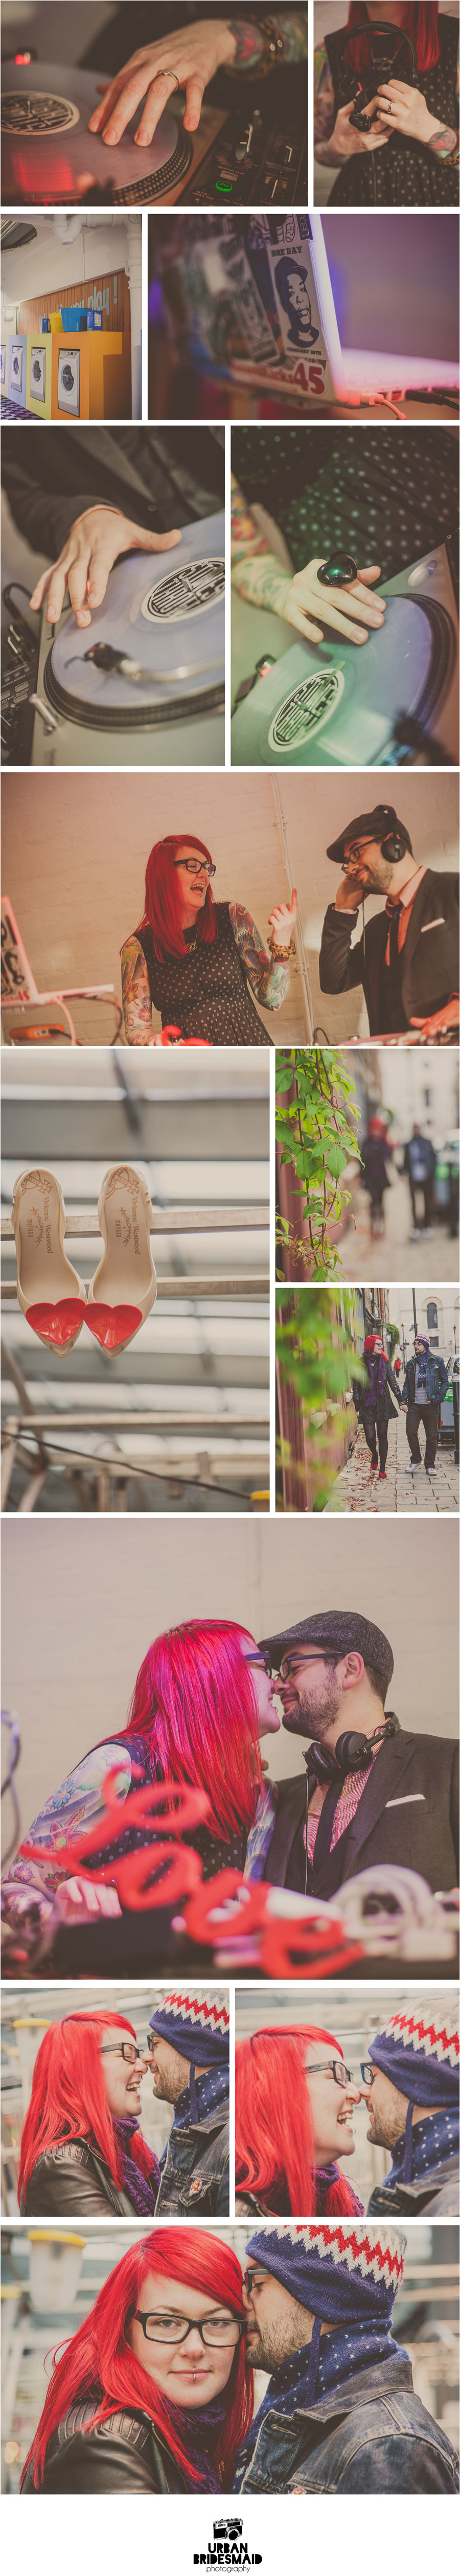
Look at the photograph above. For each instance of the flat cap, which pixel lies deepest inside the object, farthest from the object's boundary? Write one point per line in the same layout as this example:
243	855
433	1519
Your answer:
341	1632
382	820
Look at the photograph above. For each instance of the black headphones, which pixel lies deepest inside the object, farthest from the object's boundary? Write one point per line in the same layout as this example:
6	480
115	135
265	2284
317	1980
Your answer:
361	85
352	1753
394	845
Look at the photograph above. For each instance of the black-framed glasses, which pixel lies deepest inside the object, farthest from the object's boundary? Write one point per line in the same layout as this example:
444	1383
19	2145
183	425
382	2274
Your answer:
123	2048
196	867
367	2071
292	1664
262	1662
333	2066
253	2274
213	2329
357	850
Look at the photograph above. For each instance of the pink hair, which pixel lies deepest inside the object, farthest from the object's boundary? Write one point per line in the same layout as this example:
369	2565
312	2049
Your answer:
163	903
69	2099
99	2362
194	1701
274	2148
420	21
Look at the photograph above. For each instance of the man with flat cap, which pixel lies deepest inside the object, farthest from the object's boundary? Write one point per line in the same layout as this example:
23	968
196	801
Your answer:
371	1791
407	958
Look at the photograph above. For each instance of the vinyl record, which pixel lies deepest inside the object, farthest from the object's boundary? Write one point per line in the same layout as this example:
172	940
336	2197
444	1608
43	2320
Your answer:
46	147
341	702
156	648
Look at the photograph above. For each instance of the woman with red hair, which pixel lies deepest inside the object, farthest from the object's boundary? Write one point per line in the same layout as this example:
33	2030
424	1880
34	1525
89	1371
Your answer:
293	2101
82	2153
199	962
202	1699
405	83
373	1403
152	2395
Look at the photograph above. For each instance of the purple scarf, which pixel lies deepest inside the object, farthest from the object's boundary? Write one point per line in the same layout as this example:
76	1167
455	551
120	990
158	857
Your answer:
377	1374
142	2193
196	2426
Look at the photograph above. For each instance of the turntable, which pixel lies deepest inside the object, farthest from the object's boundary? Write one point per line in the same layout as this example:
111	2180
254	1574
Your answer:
152	662
372	707
47	150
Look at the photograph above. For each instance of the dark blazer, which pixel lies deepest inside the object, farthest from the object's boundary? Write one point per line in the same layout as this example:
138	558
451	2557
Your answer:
123	2456
429	957
408	1814
73	2181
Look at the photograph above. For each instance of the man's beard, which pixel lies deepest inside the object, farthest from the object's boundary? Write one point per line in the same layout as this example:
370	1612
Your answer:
276	2344
388	2125
314	1721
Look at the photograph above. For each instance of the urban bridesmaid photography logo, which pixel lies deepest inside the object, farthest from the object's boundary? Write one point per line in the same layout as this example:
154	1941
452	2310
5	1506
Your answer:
227	2547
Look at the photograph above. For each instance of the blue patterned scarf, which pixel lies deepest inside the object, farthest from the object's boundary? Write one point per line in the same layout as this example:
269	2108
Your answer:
420	2150
303	2381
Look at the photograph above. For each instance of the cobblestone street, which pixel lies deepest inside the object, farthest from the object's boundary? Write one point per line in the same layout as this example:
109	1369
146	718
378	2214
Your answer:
357	1491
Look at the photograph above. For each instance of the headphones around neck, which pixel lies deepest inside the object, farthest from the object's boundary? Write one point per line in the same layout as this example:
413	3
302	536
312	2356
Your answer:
383	58
352	1753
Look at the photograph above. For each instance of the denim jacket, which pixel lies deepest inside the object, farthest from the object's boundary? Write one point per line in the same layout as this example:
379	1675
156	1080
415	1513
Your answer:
194	2173
436	1380
371	2436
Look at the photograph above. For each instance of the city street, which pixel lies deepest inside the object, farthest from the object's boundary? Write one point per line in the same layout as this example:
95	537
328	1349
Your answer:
391	1254
356	1490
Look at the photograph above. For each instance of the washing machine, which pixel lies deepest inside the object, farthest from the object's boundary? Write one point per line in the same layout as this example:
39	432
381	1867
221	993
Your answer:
17	383
68	387
38	374
327	705
3	362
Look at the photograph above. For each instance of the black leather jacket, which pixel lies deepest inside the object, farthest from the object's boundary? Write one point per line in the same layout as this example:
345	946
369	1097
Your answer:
123	2456
73	2181
195	2174
372	2437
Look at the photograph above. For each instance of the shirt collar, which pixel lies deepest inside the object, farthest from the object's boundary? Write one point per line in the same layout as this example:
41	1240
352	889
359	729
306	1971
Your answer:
407	892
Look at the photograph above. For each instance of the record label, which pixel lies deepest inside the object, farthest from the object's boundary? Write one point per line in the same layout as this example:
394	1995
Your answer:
38	113
187	592
306	709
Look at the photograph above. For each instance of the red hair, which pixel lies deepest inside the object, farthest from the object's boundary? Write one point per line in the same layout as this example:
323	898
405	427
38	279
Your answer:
273	2122
69	2099
163	905
195	1702
419	20
99	2362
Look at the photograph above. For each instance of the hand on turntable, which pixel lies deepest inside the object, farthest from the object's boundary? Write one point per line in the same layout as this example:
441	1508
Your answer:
186	60
92	547
349	611
447	1018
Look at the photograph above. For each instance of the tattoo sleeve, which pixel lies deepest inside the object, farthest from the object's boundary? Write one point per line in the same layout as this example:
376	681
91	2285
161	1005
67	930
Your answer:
445	142
72	1810
323	107
267	975
135	994
245	537
250	41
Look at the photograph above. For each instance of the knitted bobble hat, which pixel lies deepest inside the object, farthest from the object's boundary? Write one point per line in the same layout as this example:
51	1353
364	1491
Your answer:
419	2051
343	2274
198	2025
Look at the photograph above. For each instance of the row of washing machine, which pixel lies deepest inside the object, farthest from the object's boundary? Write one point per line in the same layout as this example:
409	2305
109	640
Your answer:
53	378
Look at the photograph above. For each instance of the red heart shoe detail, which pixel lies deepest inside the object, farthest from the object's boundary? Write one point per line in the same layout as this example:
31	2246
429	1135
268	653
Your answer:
57	1324
112	1325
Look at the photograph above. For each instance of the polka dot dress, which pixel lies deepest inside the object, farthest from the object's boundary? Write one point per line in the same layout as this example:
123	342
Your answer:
205	994
214	1854
383	498
406	173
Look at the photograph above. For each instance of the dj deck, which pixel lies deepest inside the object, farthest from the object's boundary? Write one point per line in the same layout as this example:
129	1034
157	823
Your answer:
144	684
253	153
392	701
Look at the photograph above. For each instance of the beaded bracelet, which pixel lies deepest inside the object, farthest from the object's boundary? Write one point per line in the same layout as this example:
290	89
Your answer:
275	951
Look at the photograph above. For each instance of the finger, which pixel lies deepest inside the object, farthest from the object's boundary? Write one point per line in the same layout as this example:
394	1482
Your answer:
102	112
100	564
369	572
56	593
162	88
77	580
130	99
194	102
305	626
358	591
108	1901
41	586
355	634
153	545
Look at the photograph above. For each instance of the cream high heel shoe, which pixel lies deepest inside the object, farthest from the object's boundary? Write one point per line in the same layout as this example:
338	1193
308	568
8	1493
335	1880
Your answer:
124	1287
50	1293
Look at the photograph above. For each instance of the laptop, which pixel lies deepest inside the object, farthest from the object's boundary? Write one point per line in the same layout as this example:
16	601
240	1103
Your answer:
402	275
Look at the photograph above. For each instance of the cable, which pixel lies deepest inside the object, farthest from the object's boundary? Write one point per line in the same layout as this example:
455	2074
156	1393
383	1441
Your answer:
12	1722
156	1476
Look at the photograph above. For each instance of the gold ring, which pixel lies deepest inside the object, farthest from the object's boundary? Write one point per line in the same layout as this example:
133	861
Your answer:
164	75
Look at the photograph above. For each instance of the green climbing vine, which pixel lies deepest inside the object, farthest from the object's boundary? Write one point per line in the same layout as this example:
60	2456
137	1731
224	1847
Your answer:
315	1106
316	1358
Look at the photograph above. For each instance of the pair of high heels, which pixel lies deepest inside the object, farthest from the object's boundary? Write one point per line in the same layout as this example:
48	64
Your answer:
51	1295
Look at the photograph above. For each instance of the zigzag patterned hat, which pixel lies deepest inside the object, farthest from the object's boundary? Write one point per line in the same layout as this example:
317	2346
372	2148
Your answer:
342	2273
419	2051
198	2025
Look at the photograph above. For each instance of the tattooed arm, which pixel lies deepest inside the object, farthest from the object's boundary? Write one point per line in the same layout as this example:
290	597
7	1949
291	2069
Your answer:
251	50
135	994
255	572
268	976
323	103
445	138
73	1809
